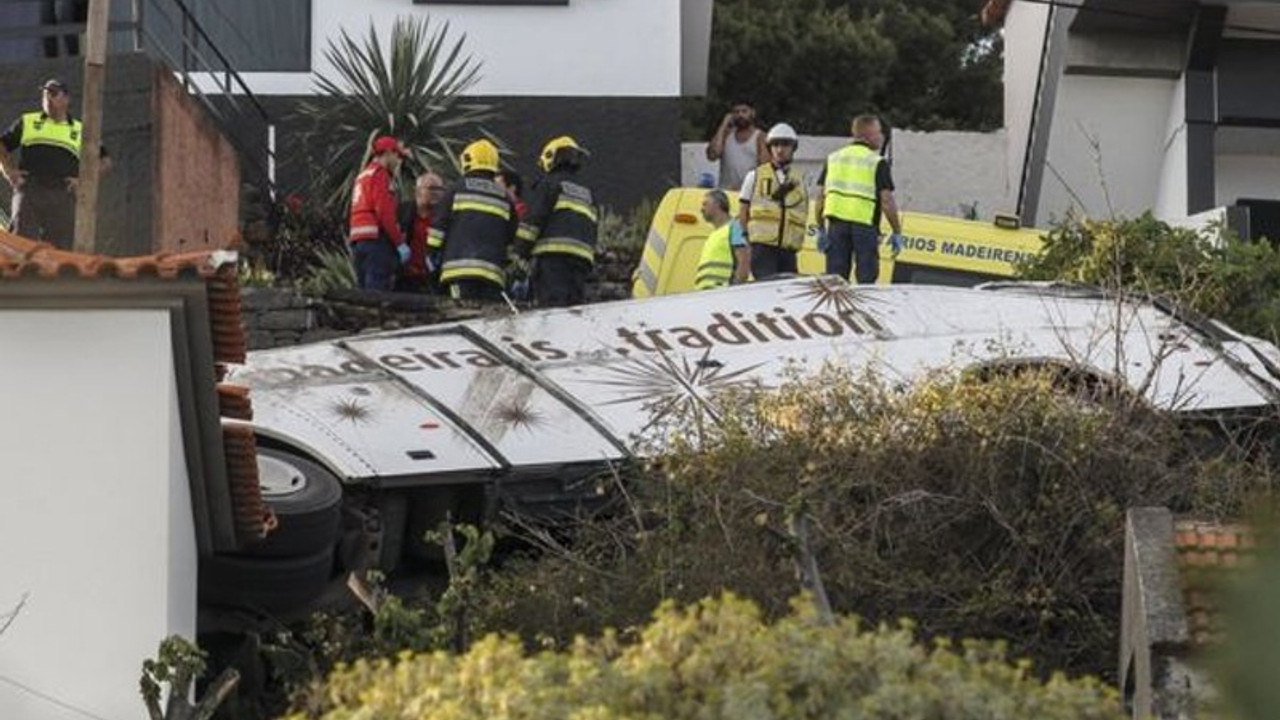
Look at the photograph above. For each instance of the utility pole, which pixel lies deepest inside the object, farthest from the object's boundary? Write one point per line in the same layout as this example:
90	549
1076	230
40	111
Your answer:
95	75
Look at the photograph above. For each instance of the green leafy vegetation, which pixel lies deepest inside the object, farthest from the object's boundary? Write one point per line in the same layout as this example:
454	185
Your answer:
978	507
1212	271
332	270
926	65
413	89
717	659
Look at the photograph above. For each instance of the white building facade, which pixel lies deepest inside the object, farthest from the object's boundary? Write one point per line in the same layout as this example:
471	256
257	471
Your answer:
1116	108
609	72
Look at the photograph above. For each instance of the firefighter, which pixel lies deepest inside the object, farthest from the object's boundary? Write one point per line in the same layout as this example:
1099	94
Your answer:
774	207
725	256
560	229
378	244
473	228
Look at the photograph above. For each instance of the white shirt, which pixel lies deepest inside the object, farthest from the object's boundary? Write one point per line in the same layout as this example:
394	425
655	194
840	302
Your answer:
749	183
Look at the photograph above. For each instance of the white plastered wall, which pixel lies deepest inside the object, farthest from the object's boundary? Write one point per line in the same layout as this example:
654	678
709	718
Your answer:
1023	46
96	521
1171	198
1106	146
1255	177
592	48
937	172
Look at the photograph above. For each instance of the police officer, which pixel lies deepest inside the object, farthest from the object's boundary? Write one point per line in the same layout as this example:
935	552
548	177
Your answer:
857	187
473	228
725	257
44	180
561	226
774	207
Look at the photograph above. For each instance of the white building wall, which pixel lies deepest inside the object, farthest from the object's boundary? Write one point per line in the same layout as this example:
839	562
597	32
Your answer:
935	172
1171	198
96	521
1126	118
629	48
1024	30
1254	177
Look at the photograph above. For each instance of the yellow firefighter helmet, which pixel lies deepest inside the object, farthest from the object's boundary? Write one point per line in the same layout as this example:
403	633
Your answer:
480	155
553	148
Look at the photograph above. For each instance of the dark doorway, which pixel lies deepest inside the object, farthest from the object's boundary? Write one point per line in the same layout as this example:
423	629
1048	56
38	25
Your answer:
1264	219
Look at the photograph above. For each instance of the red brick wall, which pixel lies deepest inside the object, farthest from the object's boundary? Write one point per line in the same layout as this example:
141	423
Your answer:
197	188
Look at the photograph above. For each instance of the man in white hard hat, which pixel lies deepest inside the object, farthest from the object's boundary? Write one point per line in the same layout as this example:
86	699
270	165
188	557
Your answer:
774	207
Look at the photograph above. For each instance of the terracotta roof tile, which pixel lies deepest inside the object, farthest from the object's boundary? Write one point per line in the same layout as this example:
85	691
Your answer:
993	12
1206	552
233	402
20	257
251	514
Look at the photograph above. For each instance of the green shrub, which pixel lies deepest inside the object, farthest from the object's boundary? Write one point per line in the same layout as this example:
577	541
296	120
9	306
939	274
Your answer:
717	659
977	508
331	270
1212	271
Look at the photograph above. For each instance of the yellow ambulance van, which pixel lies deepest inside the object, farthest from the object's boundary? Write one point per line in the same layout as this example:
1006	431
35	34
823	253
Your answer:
939	250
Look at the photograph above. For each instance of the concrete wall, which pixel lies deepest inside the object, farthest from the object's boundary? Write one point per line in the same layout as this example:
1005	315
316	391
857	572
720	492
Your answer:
1171	195
939	172
1247	176
1024	29
197	187
1106	146
96	521
583	49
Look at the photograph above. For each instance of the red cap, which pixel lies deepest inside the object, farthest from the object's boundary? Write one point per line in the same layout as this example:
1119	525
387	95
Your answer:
386	143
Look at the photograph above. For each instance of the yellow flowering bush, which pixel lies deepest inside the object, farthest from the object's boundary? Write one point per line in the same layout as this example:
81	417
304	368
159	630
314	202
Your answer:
716	659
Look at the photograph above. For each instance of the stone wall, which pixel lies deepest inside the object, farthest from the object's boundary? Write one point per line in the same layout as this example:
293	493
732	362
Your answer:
280	317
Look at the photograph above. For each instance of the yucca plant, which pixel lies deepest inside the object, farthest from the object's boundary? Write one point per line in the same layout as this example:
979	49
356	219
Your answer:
331	270
413	89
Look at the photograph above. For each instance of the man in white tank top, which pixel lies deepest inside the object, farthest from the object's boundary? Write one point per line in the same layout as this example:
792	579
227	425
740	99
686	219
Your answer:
739	146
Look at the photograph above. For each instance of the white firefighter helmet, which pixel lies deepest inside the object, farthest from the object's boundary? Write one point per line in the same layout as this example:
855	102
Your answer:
782	132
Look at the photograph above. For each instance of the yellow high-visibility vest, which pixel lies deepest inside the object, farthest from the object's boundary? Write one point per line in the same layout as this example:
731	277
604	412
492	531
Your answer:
850	187
715	267
40	129
770	222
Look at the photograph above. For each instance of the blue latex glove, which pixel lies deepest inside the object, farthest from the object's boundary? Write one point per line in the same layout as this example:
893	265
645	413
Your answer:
520	290
403	251
824	244
433	261
896	241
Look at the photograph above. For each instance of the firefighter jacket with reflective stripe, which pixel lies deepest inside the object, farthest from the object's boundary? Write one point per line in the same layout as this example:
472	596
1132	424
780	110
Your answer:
562	218
474	225
374	207
715	267
850	186
777	217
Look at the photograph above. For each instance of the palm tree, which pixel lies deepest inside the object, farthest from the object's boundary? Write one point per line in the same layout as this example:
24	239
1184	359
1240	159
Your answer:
414	93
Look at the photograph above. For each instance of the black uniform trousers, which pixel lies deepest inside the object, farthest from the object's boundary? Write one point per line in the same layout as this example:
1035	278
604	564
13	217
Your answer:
770	260
559	280
44	210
